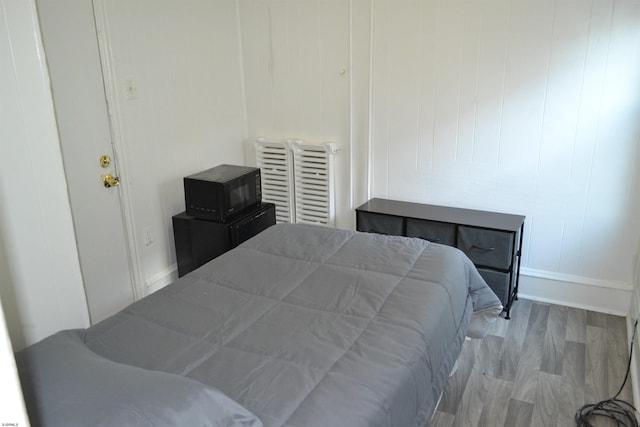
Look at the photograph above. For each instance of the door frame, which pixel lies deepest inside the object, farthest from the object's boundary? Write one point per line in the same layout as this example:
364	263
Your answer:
117	143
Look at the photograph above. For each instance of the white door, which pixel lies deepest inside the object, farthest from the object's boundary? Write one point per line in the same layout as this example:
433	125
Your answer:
71	46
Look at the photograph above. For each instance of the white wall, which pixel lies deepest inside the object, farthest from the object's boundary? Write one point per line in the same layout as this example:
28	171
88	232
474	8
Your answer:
40	279
528	107
306	73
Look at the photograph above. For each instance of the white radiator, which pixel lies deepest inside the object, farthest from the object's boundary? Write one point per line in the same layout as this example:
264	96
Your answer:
298	177
314	182
274	158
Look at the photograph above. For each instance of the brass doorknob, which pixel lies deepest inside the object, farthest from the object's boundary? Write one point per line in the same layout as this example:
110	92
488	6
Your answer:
105	161
110	181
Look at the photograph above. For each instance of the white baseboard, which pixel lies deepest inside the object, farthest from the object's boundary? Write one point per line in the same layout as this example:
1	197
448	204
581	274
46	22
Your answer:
573	291
161	279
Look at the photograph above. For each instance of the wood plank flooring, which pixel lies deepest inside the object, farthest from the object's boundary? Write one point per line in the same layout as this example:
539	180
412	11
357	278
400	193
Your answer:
537	369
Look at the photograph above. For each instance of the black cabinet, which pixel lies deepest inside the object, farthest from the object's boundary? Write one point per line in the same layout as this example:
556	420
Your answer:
198	241
493	241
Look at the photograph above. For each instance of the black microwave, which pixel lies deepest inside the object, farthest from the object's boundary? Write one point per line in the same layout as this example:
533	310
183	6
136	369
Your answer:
221	192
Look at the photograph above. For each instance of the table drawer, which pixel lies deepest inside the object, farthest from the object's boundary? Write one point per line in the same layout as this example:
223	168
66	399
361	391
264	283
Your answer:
498	282
487	248
381	224
434	231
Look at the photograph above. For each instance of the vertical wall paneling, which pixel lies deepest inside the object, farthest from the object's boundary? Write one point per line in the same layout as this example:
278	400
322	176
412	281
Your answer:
562	89
360	84
490	82
611	214
527	107
379	94
469	70
297	59
255	27
424	156
448	52
403	74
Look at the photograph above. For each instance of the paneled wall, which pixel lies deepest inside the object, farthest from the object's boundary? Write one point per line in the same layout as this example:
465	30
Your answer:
306	71
529	107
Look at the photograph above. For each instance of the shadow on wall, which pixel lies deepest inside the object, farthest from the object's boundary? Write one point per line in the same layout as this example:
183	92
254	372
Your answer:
8	296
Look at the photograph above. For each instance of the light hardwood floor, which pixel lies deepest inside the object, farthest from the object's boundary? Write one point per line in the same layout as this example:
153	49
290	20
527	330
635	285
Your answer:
537	369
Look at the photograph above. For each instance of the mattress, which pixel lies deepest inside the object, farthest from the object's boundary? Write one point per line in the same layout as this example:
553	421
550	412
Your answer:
308	326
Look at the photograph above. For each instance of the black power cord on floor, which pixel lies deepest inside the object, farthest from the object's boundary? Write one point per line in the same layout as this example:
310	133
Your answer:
622	413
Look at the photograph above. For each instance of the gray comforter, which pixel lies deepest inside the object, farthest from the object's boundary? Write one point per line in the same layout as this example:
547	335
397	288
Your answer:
310	326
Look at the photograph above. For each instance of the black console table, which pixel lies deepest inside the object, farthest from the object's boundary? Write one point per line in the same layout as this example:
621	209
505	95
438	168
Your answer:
493	241
198	241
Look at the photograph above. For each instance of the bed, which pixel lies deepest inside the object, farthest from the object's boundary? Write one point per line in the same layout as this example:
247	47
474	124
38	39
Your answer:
301	325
